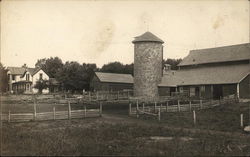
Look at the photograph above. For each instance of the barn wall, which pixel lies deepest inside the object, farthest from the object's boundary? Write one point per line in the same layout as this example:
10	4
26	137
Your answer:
96	85
245	87
229	89
119	86
208	94
164	91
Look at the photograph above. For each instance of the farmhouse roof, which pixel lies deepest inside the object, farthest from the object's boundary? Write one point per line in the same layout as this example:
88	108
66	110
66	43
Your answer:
147	36
114	78
16	70
32	71
207	75
218	54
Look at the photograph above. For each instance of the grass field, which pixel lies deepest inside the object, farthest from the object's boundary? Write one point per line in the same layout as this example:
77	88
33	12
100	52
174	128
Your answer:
100	136
222	118
117	134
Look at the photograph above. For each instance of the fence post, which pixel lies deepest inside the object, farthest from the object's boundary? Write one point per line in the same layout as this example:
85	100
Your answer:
161	106
100	109
155	106
167	107
129	111
159	114
69	111
89	96
117	95
137	104
97	95
201	104
34	110
194	117
143	107
85	111
54	113
241	120
179	108
9	116
137	113
190	105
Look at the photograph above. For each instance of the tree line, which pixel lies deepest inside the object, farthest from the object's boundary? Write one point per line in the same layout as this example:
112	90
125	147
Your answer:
74	76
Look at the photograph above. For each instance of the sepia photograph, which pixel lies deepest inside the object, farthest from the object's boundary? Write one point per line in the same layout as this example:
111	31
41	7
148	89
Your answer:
125	78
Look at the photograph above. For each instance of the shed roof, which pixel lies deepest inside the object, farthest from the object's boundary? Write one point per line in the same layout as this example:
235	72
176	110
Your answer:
218	54
147	36
114	78
207	75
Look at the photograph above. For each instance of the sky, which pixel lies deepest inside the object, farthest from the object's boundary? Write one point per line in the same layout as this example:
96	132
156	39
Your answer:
102	31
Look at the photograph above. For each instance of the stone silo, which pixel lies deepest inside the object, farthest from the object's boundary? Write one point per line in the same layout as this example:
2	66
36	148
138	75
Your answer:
148	56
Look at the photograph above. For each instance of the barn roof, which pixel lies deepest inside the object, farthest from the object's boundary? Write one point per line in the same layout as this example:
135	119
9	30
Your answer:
147	36
16	70
207	75
218	54
114	78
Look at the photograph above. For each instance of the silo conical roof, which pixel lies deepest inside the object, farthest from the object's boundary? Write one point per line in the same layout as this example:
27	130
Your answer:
147	36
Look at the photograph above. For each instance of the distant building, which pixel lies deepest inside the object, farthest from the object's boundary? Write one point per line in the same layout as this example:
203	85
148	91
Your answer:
111	82
22	80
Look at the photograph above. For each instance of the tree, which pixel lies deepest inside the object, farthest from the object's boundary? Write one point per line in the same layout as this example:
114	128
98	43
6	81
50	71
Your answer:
76	77
117	67
41	85
3	79
172	62
113	67
51	65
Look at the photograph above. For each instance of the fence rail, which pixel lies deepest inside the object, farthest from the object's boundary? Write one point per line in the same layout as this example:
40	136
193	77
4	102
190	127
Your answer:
40	116
181	106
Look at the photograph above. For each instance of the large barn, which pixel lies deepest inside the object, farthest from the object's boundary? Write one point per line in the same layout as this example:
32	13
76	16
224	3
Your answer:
213	73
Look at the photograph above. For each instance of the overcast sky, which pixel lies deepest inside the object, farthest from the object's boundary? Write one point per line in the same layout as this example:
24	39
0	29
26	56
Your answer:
101	31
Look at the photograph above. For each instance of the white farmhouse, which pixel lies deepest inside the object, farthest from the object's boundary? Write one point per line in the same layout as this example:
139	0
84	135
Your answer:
22	80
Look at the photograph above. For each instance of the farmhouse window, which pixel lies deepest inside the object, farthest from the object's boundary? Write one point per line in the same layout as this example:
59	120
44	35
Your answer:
13	77
41	76
27	77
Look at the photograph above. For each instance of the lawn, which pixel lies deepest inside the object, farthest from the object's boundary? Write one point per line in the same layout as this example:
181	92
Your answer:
100	136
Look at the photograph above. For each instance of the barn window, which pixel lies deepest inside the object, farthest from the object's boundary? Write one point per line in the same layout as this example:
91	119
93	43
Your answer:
192	91
181	89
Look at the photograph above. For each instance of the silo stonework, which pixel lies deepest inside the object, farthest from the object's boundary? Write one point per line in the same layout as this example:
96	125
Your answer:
148	56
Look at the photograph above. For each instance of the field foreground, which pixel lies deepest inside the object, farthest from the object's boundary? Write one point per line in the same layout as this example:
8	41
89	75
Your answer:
116	135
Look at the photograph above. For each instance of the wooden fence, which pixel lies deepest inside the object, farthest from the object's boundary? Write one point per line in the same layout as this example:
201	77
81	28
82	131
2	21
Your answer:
181	106
54	115
107	96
